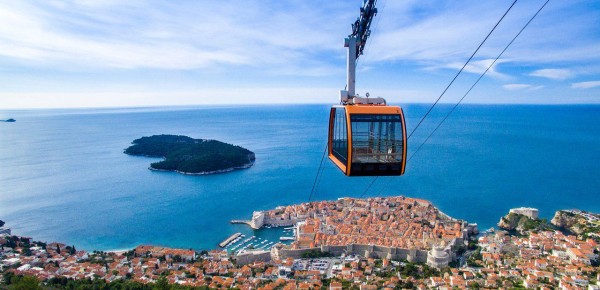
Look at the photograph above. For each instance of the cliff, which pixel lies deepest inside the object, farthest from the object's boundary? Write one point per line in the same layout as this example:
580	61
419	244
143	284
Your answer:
564	219
584	224
521	223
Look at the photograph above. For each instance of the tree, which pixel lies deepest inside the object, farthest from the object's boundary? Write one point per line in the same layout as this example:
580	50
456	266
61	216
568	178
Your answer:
57	248
7	277
161	284
26	283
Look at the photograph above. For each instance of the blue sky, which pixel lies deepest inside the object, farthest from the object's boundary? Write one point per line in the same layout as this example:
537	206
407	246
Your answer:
106	53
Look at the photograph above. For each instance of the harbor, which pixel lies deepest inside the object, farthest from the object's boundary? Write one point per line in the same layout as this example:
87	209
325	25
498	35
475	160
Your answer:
240	245
233	222
229	240
261	239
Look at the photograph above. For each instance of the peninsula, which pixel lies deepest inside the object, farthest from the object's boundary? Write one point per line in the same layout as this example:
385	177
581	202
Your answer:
9	120
186	155
375	243
399	228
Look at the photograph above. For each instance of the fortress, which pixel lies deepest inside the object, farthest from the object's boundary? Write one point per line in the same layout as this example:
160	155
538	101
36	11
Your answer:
397	228
529	212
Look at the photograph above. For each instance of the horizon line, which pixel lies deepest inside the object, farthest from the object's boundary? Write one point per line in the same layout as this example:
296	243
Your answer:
279	104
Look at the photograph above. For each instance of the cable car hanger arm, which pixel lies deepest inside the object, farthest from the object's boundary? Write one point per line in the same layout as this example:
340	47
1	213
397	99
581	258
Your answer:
361	27
355	43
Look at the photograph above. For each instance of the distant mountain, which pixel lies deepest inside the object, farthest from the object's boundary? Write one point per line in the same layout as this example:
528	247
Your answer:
191	156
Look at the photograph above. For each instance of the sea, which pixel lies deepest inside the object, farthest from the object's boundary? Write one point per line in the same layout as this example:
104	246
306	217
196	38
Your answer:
64	176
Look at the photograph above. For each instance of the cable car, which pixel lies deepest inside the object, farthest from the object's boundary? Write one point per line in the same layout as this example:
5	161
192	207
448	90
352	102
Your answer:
366	136
367	140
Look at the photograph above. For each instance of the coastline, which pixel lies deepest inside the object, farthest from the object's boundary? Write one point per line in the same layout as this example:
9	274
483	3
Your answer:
245	166
119	251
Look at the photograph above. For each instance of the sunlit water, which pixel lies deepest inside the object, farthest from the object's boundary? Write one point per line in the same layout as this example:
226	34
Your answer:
64	177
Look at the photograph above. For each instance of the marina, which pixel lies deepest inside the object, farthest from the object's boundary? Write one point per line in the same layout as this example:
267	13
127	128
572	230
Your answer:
236	244
229	240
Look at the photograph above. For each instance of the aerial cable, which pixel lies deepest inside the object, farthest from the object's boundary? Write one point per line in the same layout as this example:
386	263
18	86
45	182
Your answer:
474	84
312	191
320	178
368	187
451	82
460	71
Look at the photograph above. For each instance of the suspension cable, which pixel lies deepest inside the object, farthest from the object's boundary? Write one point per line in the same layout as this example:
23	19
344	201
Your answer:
450	84
471	88
460	71
369	187
477	81
312	191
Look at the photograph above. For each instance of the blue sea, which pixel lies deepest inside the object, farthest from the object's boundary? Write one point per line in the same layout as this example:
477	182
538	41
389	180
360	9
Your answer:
64	177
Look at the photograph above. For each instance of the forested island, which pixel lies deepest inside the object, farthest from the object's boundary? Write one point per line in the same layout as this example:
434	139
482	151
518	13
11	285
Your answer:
9	120
191	156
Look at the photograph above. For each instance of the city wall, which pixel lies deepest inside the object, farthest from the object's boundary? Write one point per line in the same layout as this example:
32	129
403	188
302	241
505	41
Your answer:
253	256
367	251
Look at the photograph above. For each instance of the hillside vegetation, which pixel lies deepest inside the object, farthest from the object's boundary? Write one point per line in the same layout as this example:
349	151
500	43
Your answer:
191	156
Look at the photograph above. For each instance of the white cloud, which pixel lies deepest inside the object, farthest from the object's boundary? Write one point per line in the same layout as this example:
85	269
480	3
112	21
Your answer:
479	66
516	87
452	30
586	85
553	73
167	35
150	48
137	97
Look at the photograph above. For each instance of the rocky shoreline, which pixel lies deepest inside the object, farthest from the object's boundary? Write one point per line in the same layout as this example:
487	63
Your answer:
523	220
245	166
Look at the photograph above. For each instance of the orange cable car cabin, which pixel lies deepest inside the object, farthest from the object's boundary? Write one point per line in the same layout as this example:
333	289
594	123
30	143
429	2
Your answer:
366	136
367	140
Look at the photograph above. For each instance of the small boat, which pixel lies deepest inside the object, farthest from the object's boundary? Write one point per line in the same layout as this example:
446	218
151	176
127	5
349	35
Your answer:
286	238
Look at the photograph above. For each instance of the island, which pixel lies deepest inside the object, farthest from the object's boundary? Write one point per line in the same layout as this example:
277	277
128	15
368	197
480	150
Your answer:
9	120
186	155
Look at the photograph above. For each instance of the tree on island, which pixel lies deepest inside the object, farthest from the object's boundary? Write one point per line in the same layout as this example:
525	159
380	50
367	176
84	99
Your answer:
187	155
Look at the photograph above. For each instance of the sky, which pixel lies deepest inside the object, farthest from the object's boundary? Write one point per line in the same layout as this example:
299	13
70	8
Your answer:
112	53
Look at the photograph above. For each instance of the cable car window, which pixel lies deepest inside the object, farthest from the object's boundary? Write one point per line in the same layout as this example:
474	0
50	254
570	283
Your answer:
376	138
340	136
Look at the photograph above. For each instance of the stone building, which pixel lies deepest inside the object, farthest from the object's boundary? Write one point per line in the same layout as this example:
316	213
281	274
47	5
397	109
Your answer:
437	257
258	219
529	212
